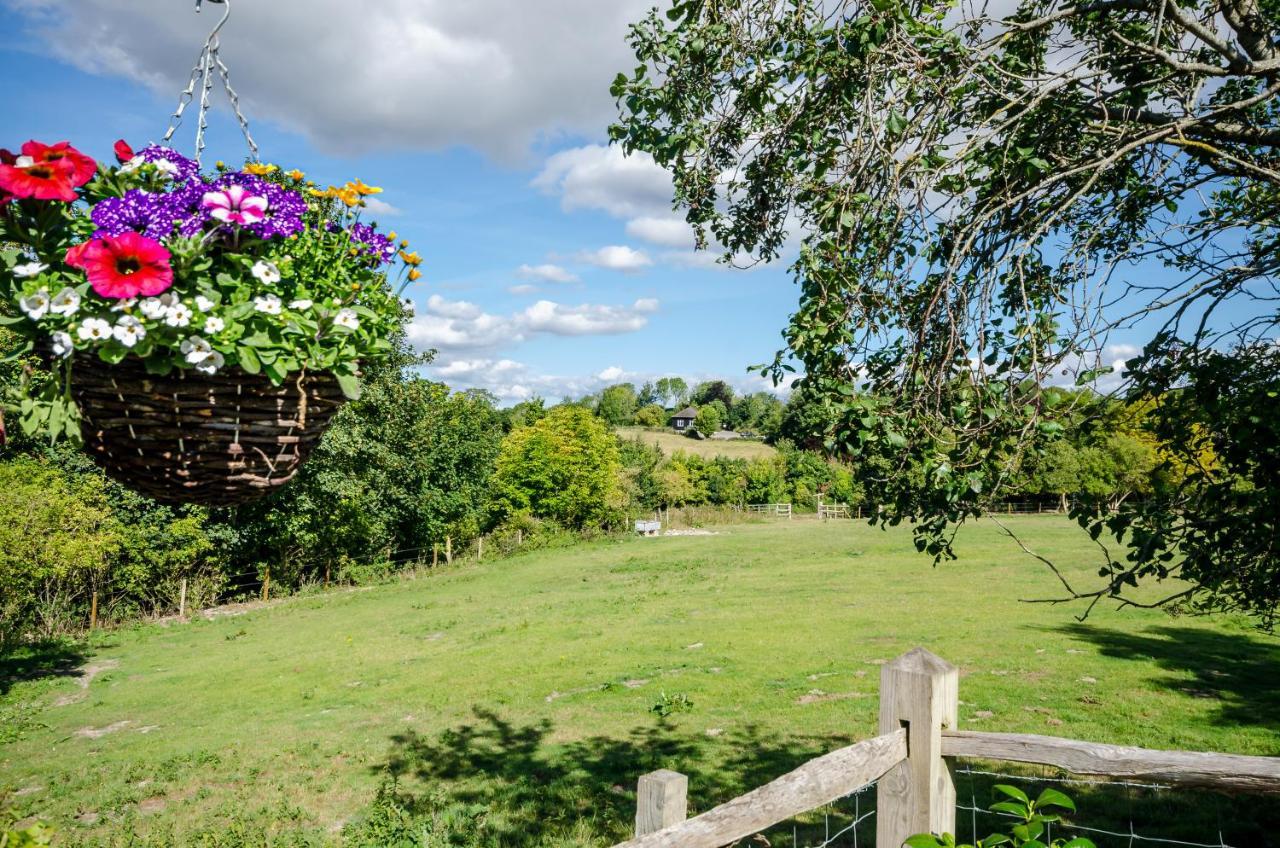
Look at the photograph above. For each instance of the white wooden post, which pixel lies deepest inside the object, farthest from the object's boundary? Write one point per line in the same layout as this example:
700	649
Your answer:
918	691
182	600
662	799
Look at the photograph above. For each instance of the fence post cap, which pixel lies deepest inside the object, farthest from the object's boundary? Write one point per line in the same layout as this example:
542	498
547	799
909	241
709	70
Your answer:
920	661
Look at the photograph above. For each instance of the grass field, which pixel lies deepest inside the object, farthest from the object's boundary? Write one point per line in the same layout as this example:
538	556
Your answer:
512	700
671	442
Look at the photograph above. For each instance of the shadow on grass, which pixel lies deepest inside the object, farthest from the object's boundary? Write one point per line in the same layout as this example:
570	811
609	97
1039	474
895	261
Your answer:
1239	671
493	782
38	661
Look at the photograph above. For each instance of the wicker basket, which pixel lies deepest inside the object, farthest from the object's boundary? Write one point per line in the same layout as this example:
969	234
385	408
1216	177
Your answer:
216	440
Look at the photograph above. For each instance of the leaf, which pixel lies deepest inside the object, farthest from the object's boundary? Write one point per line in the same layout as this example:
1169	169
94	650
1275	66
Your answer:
1054	798
350	385
1012	792
249	360
924	840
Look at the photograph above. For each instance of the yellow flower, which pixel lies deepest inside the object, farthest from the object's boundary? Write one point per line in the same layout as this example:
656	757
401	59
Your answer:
315	192
355	287
411	258
414	275
392	235
296	175
404	243
359	187
258	169
220	165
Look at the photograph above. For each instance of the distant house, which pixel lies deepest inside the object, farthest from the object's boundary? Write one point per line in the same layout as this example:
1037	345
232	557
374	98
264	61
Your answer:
683	420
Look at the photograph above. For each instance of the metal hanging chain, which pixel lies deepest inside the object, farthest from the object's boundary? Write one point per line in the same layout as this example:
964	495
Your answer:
207	64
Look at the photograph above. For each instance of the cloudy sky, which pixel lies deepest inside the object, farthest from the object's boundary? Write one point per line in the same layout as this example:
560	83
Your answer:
554	264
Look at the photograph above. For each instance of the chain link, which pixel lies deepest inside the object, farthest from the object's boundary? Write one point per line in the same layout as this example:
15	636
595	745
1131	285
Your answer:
207	63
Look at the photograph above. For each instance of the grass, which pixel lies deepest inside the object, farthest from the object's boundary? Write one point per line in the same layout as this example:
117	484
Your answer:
512	702
671	442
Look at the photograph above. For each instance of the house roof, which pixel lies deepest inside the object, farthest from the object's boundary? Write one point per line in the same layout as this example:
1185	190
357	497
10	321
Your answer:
687	412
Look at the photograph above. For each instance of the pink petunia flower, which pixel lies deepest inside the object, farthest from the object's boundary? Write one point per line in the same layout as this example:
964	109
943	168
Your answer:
235	205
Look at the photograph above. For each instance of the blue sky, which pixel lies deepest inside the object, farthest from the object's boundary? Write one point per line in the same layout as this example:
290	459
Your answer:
553	265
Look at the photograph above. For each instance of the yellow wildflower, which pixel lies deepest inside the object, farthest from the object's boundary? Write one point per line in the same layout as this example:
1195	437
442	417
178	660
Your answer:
296	175
359	187
404	243
259	169
411	258
414	275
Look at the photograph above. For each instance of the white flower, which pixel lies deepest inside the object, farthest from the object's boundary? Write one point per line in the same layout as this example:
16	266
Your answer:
132	165
30	269
36	306
203	303
214	324
165	168
65	302
337	301
24	162
346	318
94	330
409	306
153	308
301	304
178	315
211	363
62	344
129	331
269	304
125	305
266	272
195	349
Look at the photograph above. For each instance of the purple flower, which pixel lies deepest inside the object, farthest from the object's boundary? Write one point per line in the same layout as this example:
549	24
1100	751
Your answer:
373	242
285	208
183	169
183	210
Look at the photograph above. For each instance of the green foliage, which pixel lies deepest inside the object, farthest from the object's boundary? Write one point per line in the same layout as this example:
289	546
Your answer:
651	415
617	404
30	837
673	391
56	541
669	705
1033	819
565	468
708	421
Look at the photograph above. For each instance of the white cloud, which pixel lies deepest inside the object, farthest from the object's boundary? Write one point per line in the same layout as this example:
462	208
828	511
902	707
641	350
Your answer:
616	257
547	273
599	177
611	373
587	319
667	231
375	206
523	288
452	325
398	74
1113	356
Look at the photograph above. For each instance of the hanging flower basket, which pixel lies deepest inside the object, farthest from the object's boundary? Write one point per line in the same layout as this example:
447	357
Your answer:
202	330
215	440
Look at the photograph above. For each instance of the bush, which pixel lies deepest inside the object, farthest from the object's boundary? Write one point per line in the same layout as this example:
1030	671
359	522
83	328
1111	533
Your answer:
651	416
708	421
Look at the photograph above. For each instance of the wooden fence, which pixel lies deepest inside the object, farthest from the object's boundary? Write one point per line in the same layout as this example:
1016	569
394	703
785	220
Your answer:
912	759
782	510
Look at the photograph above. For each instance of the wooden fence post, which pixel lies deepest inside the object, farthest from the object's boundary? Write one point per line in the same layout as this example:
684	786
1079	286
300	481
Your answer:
480	548
662	799
93	610
435	554
918	691
182	599
266	584
448	550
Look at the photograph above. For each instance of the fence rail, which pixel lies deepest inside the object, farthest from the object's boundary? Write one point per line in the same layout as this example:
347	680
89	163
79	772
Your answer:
782	510
911	765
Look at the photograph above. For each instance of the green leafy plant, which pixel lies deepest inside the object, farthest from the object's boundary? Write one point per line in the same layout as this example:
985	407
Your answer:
668	705
37	834
1033	820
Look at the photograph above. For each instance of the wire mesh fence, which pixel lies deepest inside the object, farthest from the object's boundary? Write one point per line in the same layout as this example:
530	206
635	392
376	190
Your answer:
1118	813
847	822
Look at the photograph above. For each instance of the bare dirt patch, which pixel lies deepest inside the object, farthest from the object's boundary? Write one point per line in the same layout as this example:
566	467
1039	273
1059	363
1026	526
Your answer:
99	732
87	674
817	696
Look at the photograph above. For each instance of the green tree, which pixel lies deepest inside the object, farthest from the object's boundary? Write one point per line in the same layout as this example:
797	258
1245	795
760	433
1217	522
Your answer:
57	538
565	468
708	421
523	414
617	404
711	391
674	391
956	176
651	416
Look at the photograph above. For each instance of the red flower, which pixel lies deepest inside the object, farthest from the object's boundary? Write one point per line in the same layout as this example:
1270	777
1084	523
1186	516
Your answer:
75	255
39	180
83	167
6	158
123	151
124	266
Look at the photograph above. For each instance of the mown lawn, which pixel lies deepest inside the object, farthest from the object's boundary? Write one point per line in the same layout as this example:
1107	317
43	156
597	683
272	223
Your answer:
512	700
672	442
